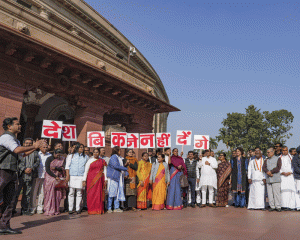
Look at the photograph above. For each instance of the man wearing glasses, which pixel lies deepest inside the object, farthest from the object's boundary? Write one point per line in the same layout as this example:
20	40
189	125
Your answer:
272	167
278	147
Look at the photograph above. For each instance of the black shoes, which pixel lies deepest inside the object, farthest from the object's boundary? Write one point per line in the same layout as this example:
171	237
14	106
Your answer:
193	205
78	212
184	206
9	231
278	209
272	209
71	212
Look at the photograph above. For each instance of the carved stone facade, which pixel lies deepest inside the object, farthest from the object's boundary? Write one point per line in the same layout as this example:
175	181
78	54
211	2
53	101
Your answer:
60	60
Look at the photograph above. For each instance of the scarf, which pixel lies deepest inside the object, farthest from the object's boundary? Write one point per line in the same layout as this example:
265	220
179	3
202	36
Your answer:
177	161
131	172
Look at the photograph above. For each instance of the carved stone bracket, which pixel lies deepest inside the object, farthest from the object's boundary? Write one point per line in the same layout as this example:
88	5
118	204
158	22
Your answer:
45	13
10	49
46	62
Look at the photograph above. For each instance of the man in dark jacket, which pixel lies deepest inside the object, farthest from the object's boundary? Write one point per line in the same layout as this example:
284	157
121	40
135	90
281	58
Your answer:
191	166
27	172
296	167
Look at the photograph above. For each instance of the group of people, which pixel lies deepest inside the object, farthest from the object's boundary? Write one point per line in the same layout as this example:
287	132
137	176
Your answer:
159	180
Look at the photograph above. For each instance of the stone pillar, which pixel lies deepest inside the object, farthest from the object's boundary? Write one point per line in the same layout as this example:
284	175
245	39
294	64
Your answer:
88	119
31	111
11	99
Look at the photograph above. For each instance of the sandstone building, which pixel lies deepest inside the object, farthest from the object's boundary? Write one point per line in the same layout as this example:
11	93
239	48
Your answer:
61	60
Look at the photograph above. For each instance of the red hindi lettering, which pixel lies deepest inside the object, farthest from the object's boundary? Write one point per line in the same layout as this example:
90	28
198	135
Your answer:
182	139
95	139
202	143
118	139
52	131
146	138
163	140
69	132
73	128
132	140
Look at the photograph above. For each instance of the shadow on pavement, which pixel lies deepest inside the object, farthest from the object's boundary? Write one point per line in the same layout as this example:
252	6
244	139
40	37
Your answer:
47	220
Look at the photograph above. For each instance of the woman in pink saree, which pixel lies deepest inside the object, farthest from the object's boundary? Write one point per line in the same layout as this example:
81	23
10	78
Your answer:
54	174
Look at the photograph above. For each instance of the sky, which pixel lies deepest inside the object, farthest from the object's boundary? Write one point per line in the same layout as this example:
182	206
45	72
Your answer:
216	57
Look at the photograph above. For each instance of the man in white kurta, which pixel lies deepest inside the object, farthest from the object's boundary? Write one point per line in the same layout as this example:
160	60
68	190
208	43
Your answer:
208	179
257	180
288	188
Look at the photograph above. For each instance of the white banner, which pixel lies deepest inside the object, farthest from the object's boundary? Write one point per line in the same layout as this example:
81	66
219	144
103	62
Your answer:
163	140
184	137
69	132
52	129
133	140
201	142
119	139
147	140
96	139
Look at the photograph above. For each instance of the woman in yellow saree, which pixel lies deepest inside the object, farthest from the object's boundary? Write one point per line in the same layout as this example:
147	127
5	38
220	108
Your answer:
160	178
143	173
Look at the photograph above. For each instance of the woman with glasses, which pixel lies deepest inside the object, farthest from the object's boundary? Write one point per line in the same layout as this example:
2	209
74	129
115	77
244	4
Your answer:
223	175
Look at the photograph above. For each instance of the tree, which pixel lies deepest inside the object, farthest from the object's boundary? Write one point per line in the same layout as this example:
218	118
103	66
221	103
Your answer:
213	143
255	128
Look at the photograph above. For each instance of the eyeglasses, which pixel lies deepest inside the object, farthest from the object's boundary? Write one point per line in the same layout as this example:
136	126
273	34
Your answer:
276	146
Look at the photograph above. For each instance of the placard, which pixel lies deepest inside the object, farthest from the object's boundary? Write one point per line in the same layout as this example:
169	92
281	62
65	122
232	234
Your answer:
96	139
69	132
147	140
163	140
133	140
119	139
52	129
184	137
201	142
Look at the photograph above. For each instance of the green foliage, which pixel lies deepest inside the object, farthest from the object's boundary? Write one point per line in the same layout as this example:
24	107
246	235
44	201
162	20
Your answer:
256	128
213	143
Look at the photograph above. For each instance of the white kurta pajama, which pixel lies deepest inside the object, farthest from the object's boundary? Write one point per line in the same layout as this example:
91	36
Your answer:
257	187
297	194
288	188
208	178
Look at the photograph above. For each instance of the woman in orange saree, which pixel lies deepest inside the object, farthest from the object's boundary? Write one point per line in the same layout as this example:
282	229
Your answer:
160	178
143	173
95	180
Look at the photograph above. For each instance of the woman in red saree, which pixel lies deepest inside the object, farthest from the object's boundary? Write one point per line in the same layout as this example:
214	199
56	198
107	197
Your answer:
94	179
223	174
143	173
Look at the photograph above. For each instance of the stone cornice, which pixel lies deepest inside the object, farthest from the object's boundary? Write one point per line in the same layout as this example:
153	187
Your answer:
102	54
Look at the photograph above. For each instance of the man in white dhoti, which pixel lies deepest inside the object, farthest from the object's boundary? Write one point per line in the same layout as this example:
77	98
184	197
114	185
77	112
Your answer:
257	181
208	179
296	168
288	188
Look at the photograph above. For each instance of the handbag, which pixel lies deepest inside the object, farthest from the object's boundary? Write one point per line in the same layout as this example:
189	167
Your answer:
61	183
184	181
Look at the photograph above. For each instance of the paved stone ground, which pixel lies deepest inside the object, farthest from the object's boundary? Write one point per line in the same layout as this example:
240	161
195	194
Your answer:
205	223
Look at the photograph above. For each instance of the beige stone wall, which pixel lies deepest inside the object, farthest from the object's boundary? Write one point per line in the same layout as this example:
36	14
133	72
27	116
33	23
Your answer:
75	31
